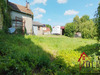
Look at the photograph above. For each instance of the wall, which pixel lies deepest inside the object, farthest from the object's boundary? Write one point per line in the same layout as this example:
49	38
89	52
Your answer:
40	32
28	20
35	28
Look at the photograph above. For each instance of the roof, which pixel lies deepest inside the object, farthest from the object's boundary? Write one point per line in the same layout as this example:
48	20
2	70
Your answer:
62	27
35	23
47	29
20	8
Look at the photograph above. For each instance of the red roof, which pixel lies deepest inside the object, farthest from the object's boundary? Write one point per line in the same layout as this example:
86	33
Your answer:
47	29
62	27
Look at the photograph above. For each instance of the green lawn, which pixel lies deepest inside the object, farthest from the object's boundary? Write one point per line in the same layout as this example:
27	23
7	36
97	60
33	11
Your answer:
40	55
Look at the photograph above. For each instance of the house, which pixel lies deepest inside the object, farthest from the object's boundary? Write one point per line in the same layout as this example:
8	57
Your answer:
78	34
46	31
22	17
38	28
58	30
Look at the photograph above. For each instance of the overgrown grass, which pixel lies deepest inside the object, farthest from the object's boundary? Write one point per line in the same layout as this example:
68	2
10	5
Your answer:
43	55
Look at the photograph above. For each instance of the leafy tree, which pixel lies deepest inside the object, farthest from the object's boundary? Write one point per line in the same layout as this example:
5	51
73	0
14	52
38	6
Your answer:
49	26
98	22
84	18
76	21
69	29
88	29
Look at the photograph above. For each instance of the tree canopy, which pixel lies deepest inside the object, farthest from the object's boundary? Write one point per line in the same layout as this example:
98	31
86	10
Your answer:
85	25
98	22
49	26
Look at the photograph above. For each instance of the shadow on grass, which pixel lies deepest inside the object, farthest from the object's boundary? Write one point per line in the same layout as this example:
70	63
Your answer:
90	49
19	56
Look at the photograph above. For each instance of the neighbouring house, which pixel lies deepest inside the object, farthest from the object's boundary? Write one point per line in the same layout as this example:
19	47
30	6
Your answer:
46	31
78	34
58	30
38	28
22	17
62	31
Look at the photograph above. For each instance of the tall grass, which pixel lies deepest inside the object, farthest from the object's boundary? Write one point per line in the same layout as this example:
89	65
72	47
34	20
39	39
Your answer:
42	55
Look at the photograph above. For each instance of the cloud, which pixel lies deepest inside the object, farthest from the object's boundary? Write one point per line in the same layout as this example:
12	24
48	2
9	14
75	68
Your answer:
89	5
39	16
49	19
71	12
62	1
39	10
38	13
39	2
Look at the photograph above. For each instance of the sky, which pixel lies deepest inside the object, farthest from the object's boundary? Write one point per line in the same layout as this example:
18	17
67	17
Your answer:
60	12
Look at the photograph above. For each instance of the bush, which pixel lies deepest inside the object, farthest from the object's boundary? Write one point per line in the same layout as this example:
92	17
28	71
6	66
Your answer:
70	29
88	29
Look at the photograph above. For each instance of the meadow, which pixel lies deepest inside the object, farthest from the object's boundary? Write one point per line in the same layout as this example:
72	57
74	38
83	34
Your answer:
44	55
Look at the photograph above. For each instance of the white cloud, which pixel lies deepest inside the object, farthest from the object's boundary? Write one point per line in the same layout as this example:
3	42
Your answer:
39	16
39	10
39	2
89	5
38	13
62	1
71	12
49	19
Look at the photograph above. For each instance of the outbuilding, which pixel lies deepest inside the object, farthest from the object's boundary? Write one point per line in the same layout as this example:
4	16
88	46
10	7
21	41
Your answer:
38	28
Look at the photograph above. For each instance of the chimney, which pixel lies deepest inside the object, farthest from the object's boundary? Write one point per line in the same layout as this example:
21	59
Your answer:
27	5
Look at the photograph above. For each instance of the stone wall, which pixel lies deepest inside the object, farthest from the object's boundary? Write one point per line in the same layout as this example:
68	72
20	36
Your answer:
27	18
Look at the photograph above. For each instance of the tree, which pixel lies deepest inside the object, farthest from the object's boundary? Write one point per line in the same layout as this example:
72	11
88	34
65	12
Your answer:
69	29
84	18
98	22
88	29
76	22
76	19
49	26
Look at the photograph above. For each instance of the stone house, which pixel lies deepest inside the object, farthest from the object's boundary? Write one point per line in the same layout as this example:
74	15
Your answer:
21	16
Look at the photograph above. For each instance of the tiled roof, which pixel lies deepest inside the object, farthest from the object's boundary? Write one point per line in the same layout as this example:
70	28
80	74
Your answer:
47	29
62	27
20	8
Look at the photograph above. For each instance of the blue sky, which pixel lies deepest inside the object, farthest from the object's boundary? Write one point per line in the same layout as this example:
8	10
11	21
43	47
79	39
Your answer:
59	12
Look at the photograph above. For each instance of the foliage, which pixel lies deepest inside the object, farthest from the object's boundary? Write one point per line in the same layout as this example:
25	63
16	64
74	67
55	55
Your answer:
88	29
76	22
5	16
98	22
84	18
42	55
84	25
69	29
49	26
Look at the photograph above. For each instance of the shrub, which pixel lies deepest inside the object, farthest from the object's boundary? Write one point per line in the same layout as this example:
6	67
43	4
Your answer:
88	29
69	29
